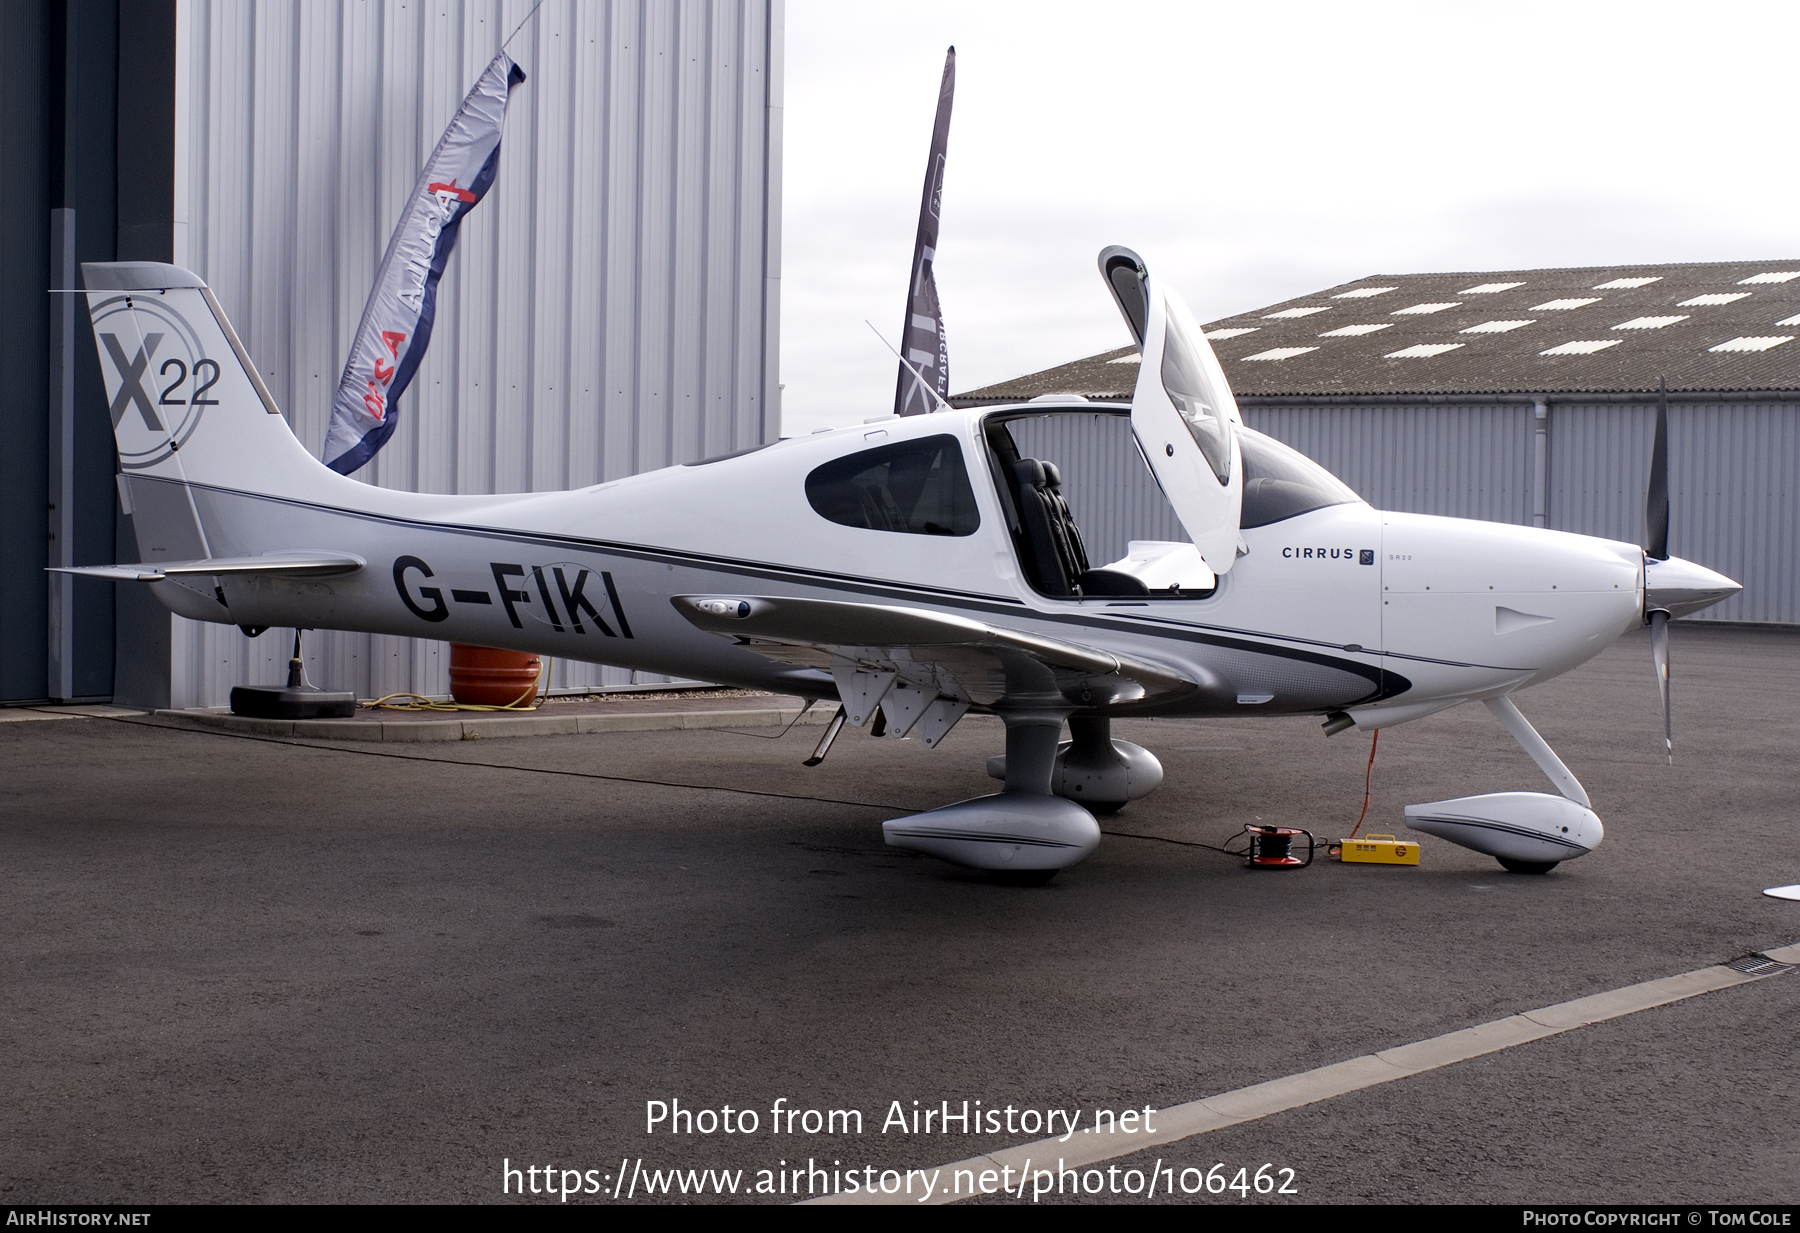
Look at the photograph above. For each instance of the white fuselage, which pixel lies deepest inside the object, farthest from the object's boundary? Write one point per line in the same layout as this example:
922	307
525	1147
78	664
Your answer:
1385	615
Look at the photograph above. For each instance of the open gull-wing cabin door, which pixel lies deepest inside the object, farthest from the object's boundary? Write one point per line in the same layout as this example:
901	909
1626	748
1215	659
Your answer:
1182	411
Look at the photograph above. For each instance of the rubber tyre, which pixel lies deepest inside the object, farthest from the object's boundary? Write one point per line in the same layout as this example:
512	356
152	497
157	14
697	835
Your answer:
1022	877
1103	809
1527	866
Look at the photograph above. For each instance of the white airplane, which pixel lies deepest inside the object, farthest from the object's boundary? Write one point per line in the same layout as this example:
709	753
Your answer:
913	570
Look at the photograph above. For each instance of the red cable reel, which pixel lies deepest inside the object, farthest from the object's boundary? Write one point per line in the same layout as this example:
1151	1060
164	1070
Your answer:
1272	847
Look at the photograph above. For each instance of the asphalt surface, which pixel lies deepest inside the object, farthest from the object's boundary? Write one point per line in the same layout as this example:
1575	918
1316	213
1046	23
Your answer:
246	969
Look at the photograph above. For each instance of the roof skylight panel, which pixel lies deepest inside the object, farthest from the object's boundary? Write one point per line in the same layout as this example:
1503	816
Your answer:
1363	293
1627	284
1232	332
1296	312
1586	346
1649	323
1713	298
1424	308
1494	327
1355	331
1753	344
1280	353
1489	288
1552	306
1779	276
1423	351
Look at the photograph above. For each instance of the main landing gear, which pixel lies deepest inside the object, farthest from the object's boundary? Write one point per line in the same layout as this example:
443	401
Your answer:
1094	770
1043	820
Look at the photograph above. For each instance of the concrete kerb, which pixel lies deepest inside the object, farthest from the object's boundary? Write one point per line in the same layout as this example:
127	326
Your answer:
497	727
19	714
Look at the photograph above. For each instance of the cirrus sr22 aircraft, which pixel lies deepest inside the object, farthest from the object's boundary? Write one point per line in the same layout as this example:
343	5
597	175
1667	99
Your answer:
913	570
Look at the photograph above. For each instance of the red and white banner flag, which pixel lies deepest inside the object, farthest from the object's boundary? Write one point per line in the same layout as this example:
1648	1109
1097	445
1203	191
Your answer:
396	324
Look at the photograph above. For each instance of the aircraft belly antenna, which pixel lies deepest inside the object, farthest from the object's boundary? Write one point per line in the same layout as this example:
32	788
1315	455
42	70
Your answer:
825	742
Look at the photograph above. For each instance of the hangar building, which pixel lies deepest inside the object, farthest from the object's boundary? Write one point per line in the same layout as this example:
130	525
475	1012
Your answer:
612	306
1529	396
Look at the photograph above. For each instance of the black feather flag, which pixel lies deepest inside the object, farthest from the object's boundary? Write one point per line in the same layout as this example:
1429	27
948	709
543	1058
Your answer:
922	339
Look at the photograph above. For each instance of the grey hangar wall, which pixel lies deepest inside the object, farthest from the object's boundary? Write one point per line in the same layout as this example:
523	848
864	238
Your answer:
612	307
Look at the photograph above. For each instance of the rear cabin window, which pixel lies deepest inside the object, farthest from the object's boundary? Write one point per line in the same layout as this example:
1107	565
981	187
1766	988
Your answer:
911	487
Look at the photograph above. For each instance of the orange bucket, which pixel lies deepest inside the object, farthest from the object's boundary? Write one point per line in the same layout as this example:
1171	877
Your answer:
483	676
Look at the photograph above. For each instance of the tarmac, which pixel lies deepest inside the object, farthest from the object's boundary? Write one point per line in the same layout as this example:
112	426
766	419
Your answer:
270	967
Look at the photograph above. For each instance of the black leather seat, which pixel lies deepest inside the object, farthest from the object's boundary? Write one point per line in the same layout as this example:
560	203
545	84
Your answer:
1059	557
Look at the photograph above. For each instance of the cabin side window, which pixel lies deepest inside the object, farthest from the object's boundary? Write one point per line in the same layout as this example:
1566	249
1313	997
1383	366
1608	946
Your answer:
911	487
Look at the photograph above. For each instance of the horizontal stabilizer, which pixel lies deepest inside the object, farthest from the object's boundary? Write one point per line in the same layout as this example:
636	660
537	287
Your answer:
274	564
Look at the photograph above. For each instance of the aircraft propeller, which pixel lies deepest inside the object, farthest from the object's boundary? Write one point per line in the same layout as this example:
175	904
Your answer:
1656	548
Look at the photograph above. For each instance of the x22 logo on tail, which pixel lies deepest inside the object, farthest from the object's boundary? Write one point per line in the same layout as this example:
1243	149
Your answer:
564	595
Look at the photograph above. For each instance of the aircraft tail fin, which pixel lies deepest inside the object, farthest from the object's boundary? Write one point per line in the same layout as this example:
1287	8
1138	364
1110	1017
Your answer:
192	418
187	404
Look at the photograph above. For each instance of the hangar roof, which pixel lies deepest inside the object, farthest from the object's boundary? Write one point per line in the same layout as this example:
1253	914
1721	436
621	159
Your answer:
1716	326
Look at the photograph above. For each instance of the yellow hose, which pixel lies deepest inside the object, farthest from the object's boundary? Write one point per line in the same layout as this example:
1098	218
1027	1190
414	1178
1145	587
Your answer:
422	703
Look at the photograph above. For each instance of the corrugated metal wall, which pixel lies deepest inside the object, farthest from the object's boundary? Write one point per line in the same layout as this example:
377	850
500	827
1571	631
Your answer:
1464	462
1734	475
1734	487
611	306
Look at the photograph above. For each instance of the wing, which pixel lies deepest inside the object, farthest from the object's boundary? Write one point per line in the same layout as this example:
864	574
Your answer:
926	669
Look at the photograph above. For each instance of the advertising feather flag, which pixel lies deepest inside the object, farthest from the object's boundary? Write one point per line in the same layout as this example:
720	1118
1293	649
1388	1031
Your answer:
396	324
923	342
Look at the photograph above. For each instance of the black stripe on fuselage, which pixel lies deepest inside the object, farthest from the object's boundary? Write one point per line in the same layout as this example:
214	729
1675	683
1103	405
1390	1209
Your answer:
1384	683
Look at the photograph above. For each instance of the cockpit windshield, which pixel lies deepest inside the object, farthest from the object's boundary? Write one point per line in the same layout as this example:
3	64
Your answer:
1280	482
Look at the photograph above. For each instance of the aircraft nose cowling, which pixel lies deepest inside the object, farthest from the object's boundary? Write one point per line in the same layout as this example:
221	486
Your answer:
1498	598
1680	587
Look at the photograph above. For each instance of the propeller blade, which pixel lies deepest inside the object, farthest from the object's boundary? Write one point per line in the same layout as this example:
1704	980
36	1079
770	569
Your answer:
1656	505
1659	655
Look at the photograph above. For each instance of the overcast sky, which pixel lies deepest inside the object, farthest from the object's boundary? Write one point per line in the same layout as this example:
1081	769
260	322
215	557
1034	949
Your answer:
1252	152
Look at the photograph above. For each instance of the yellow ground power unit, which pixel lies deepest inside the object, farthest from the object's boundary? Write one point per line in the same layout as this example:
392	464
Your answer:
1380	850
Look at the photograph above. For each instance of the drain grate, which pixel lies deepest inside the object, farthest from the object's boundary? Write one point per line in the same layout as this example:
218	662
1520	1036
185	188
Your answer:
1759	965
